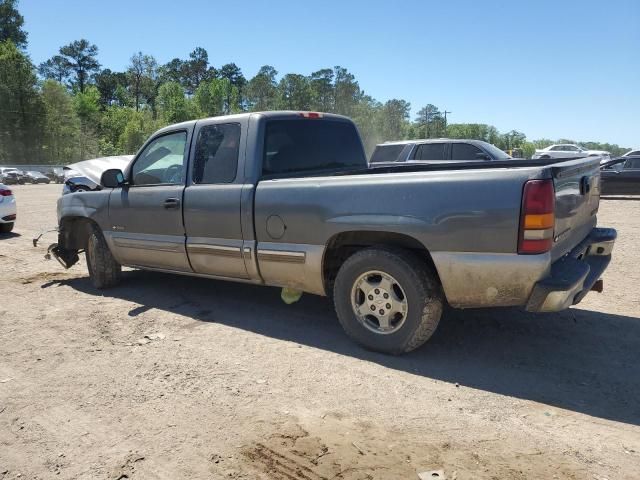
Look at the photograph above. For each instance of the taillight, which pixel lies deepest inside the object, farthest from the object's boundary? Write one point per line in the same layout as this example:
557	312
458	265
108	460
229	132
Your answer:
537	217
311	114
5	192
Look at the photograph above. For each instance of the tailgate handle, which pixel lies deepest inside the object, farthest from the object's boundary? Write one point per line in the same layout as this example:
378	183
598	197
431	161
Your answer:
585	185
171	203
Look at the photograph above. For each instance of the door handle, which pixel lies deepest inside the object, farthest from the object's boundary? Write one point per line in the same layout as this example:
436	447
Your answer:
171	203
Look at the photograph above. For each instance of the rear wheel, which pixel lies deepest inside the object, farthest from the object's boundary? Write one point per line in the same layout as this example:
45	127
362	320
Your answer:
104	270
387	300
6	227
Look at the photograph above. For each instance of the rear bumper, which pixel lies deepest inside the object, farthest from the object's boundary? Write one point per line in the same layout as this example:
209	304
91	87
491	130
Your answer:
574	275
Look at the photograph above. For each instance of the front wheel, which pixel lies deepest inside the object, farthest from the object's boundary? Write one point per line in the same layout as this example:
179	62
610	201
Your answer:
6	227
104	270
387	300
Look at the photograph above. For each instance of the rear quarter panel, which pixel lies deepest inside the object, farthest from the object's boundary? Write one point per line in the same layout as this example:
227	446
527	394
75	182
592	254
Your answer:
468	220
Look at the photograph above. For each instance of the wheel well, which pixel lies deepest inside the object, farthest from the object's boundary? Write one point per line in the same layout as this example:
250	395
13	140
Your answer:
74	232
343	245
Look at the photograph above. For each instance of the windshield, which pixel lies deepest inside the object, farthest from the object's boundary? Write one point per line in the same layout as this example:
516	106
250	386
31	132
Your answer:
292	146
495	152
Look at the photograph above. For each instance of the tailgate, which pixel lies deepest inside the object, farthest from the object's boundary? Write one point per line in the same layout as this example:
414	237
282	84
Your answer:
577	187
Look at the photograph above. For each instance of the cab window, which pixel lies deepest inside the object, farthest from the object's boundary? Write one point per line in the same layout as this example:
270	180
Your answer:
162	162
431	151
216	155
464	151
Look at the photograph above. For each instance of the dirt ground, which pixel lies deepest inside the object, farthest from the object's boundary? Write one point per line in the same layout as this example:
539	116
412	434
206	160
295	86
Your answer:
170	377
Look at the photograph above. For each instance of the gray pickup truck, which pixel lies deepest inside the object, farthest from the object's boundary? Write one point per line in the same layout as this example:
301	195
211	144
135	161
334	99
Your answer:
288	199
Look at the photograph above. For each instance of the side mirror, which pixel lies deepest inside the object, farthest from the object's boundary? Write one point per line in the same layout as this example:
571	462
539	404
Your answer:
112	178
482	156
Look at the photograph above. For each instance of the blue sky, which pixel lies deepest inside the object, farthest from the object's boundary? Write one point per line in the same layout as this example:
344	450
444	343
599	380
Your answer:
547	68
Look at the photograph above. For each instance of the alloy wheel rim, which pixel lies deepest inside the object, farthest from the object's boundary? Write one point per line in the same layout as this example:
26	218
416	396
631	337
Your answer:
379	302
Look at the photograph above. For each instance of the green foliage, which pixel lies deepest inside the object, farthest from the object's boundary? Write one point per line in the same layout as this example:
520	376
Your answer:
137	129
108	83
62	126
262	90
56	68
174	106
21	109
80	56
294	92
11	23
87	105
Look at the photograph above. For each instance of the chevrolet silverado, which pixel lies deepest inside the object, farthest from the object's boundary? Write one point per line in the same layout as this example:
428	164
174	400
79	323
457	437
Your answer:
288	199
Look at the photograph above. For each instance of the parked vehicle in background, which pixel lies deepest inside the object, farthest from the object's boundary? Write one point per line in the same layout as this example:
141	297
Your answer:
441	150
34	176
10	175
8	209
13	177
621	176
568	150
632	153
85	176
288	199
56	175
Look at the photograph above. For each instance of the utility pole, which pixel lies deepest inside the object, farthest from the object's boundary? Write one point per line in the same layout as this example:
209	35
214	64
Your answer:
445	122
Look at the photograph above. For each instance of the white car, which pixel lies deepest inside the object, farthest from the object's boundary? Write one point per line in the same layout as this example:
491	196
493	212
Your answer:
632	153
568	150
7	209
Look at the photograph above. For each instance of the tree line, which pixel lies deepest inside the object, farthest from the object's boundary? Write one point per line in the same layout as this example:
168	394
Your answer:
69	108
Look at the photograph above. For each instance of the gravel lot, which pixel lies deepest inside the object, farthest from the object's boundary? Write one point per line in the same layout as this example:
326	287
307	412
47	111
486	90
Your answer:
173	377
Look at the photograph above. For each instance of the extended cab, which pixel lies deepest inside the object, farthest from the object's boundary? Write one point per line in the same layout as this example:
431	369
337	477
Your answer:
288	199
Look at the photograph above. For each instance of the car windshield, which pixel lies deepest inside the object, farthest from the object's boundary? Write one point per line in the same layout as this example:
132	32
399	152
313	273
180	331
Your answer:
495	152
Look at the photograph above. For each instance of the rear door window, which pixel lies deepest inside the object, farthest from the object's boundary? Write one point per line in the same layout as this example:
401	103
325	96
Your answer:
465	152
216	154
431	151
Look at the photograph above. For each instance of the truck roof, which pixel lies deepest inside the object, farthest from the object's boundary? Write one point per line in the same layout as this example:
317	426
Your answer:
276	114
432	140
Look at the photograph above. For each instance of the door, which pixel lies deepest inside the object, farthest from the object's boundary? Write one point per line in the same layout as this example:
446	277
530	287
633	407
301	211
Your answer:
629	177
146	215
574	152
212	200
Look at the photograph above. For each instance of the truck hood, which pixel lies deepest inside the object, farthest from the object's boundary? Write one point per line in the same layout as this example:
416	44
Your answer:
93	169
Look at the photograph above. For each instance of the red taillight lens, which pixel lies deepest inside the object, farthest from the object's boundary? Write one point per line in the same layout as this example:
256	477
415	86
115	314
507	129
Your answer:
537	217
5	192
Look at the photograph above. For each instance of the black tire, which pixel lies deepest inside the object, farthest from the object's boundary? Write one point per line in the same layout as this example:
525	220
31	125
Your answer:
104	271
6	227
420	286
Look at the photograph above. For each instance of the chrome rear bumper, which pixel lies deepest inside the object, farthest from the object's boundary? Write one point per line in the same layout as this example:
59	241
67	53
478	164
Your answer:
574	275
